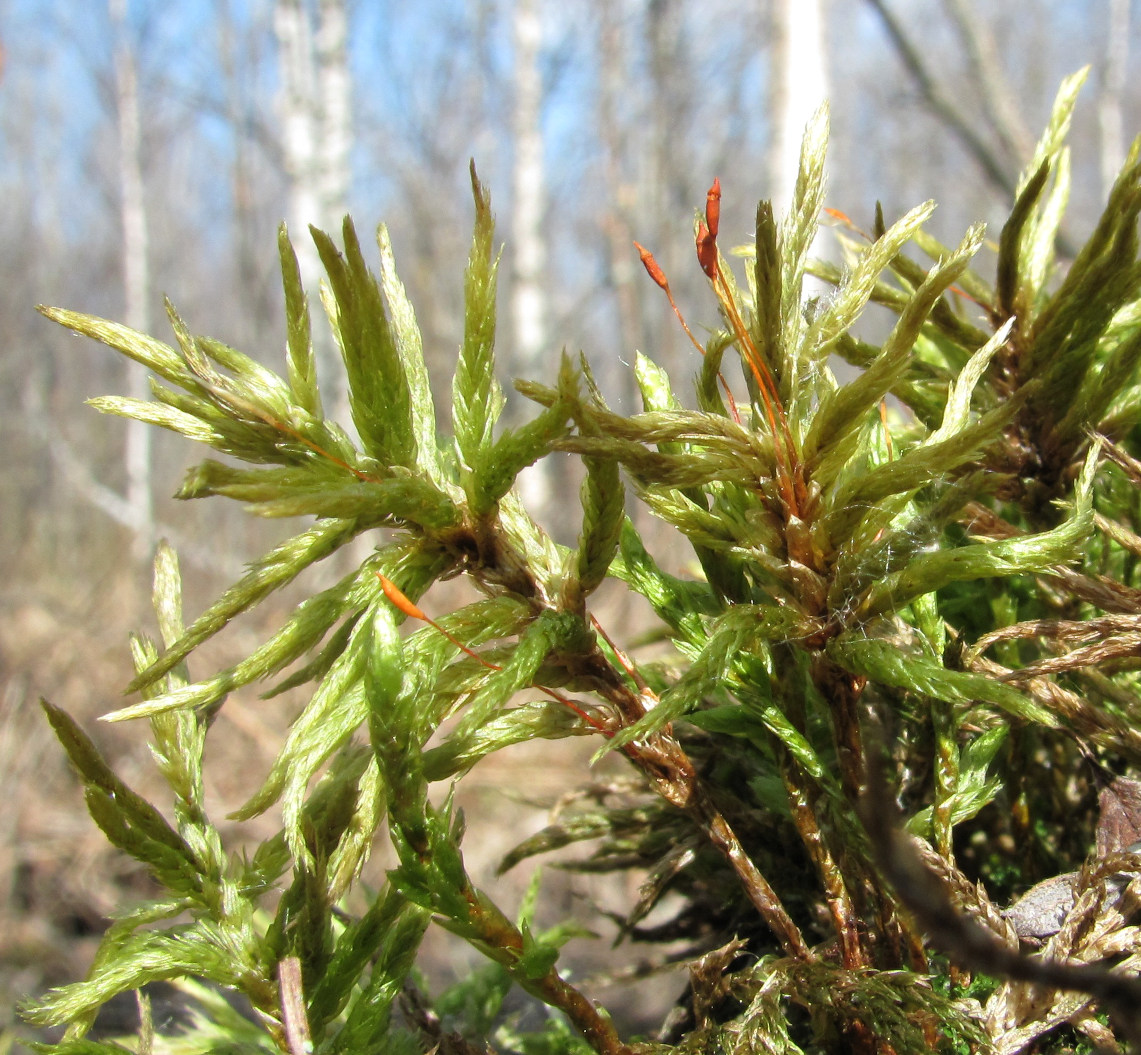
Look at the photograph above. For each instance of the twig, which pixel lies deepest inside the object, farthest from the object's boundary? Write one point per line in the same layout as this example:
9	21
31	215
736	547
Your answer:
214	559
759	892
997	97
943	105
802	805
664	761
293	1016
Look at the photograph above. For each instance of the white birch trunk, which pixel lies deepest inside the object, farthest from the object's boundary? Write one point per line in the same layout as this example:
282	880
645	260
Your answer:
297	103
316	121
800	85
334	89
528	296
230	59
625	270
136	277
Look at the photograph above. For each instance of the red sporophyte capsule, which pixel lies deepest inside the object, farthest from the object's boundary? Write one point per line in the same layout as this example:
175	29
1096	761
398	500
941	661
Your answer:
651	266
713	208
399	600
706	250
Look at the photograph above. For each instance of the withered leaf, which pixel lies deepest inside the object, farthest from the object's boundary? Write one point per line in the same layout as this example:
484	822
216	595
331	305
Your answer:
1042	910
707	979
1119	823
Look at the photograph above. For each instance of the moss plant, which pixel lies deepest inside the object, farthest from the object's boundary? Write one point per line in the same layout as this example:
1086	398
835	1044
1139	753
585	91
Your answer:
909	639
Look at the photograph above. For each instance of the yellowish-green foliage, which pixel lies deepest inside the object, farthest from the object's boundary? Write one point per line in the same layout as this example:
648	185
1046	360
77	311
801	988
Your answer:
909	638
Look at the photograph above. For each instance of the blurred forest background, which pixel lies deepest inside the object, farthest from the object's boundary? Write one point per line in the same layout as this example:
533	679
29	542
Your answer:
151	149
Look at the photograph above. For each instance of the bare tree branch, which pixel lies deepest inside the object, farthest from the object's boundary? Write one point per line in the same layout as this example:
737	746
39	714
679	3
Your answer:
997	95
997	171
121	510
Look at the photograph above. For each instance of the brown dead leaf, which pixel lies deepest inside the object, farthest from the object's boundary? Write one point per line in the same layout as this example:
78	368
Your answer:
1119	823
1043	909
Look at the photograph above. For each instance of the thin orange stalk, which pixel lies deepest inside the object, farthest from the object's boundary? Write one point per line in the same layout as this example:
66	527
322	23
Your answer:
782	436
756	363
654	270
647	698
710	262
358	473
289	430
958	291
400	600
844	219
709	259
623	659
732	402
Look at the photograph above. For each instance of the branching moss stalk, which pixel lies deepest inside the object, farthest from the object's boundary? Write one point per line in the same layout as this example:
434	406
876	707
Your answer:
842	691
803	804
762	896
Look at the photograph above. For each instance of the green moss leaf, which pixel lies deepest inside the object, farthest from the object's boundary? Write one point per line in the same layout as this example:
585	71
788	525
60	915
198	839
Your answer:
379	396
302	361
476	397
886	664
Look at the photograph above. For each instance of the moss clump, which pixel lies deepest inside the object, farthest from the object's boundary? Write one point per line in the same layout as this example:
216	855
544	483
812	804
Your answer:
905	660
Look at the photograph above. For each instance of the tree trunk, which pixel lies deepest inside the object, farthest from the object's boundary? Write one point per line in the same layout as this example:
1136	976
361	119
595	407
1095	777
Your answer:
616	211
136	277
334	89
799	86
528	295
316	121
